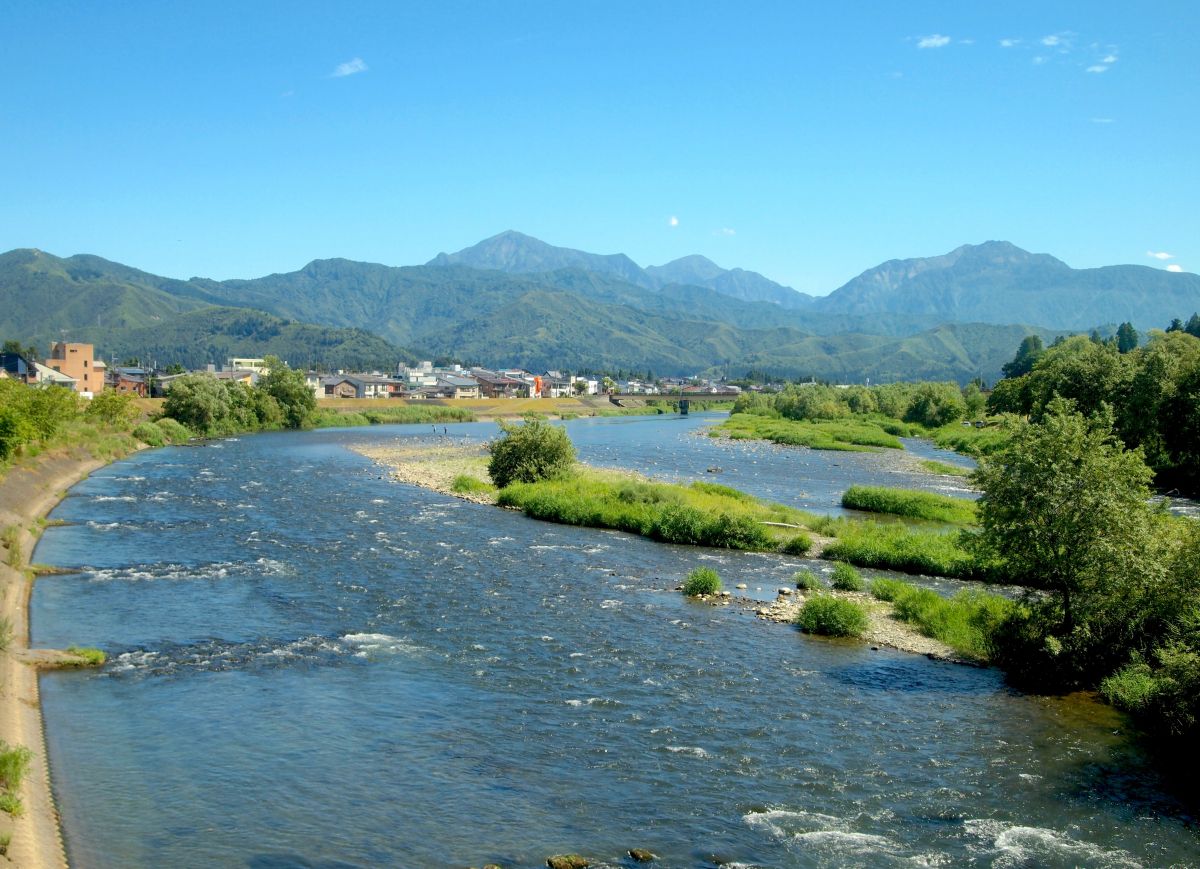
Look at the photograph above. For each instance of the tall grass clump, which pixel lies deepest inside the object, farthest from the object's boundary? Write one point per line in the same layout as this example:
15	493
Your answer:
972	441
11	538
910	503
6	634
14	762
800	544
702	581
894	547
150	434
175	431
832	616
806	580
966	622
465	484
846	578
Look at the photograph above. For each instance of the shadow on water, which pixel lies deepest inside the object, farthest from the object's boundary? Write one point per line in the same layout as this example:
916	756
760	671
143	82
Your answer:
295	861
915	676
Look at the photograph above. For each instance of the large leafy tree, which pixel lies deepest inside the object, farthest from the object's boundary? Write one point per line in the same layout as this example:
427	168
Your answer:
1064	509
287	387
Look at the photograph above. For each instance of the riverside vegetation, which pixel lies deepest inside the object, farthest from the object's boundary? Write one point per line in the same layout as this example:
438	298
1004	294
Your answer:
1065	512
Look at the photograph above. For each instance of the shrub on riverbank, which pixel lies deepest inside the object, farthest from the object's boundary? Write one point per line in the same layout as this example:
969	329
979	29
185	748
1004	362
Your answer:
798	545
945	468
702	581
910	503
89	656
894	547
832	616
846	578
530	452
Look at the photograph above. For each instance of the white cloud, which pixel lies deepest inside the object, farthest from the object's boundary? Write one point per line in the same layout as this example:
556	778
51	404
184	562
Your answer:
1102	120
350	67
935	40
1052	40
1039	60
1099	67
966	42
1160	254
1009	43
672	220
725	230
1112	58
1174	267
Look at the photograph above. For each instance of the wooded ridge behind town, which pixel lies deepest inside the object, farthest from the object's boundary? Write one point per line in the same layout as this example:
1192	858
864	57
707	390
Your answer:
514	301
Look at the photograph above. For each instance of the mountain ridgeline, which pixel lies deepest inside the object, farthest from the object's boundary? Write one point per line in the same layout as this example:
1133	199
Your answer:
515	300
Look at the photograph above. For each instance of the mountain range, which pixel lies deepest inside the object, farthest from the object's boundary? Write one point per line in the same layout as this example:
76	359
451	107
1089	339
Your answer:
515	300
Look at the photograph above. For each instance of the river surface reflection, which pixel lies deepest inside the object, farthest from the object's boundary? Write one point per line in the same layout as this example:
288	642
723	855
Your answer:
314	666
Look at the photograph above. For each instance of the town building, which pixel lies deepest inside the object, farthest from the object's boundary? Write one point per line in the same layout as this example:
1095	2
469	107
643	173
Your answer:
78	362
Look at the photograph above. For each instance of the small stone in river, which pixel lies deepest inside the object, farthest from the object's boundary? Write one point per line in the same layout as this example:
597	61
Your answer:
641	855
567	861
741	585
784	592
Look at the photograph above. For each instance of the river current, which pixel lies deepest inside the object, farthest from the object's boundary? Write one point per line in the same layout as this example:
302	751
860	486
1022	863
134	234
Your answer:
311	665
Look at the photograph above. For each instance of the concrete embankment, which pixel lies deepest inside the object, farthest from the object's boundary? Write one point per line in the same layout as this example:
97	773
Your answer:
27	493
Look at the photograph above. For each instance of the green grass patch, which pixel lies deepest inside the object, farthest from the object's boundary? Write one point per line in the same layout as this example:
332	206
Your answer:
945	468
846	578
971	441
6	634
910	503
11	538
832	616
702	581
854	434
89	656
891	546
965	622
807	580
702	514
14	763
465	484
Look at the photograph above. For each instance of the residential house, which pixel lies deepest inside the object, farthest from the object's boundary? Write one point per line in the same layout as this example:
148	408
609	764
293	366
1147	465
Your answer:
493	384
17	367
451	386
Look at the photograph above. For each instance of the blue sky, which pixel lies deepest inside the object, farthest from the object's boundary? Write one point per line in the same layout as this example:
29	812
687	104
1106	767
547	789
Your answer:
238	139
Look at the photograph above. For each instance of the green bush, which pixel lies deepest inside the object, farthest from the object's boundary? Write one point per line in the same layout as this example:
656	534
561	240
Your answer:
527	453
832	617
807	580
702	580
150	434
888	589
798	545
112	407
176	432
846	578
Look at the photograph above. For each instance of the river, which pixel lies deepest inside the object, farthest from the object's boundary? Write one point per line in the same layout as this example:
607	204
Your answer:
311	665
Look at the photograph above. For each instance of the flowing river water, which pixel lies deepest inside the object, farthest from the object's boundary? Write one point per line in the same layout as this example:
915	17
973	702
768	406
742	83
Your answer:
311	665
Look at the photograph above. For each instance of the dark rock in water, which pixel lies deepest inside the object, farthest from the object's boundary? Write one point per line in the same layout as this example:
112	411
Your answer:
713	470
567	861
641	855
